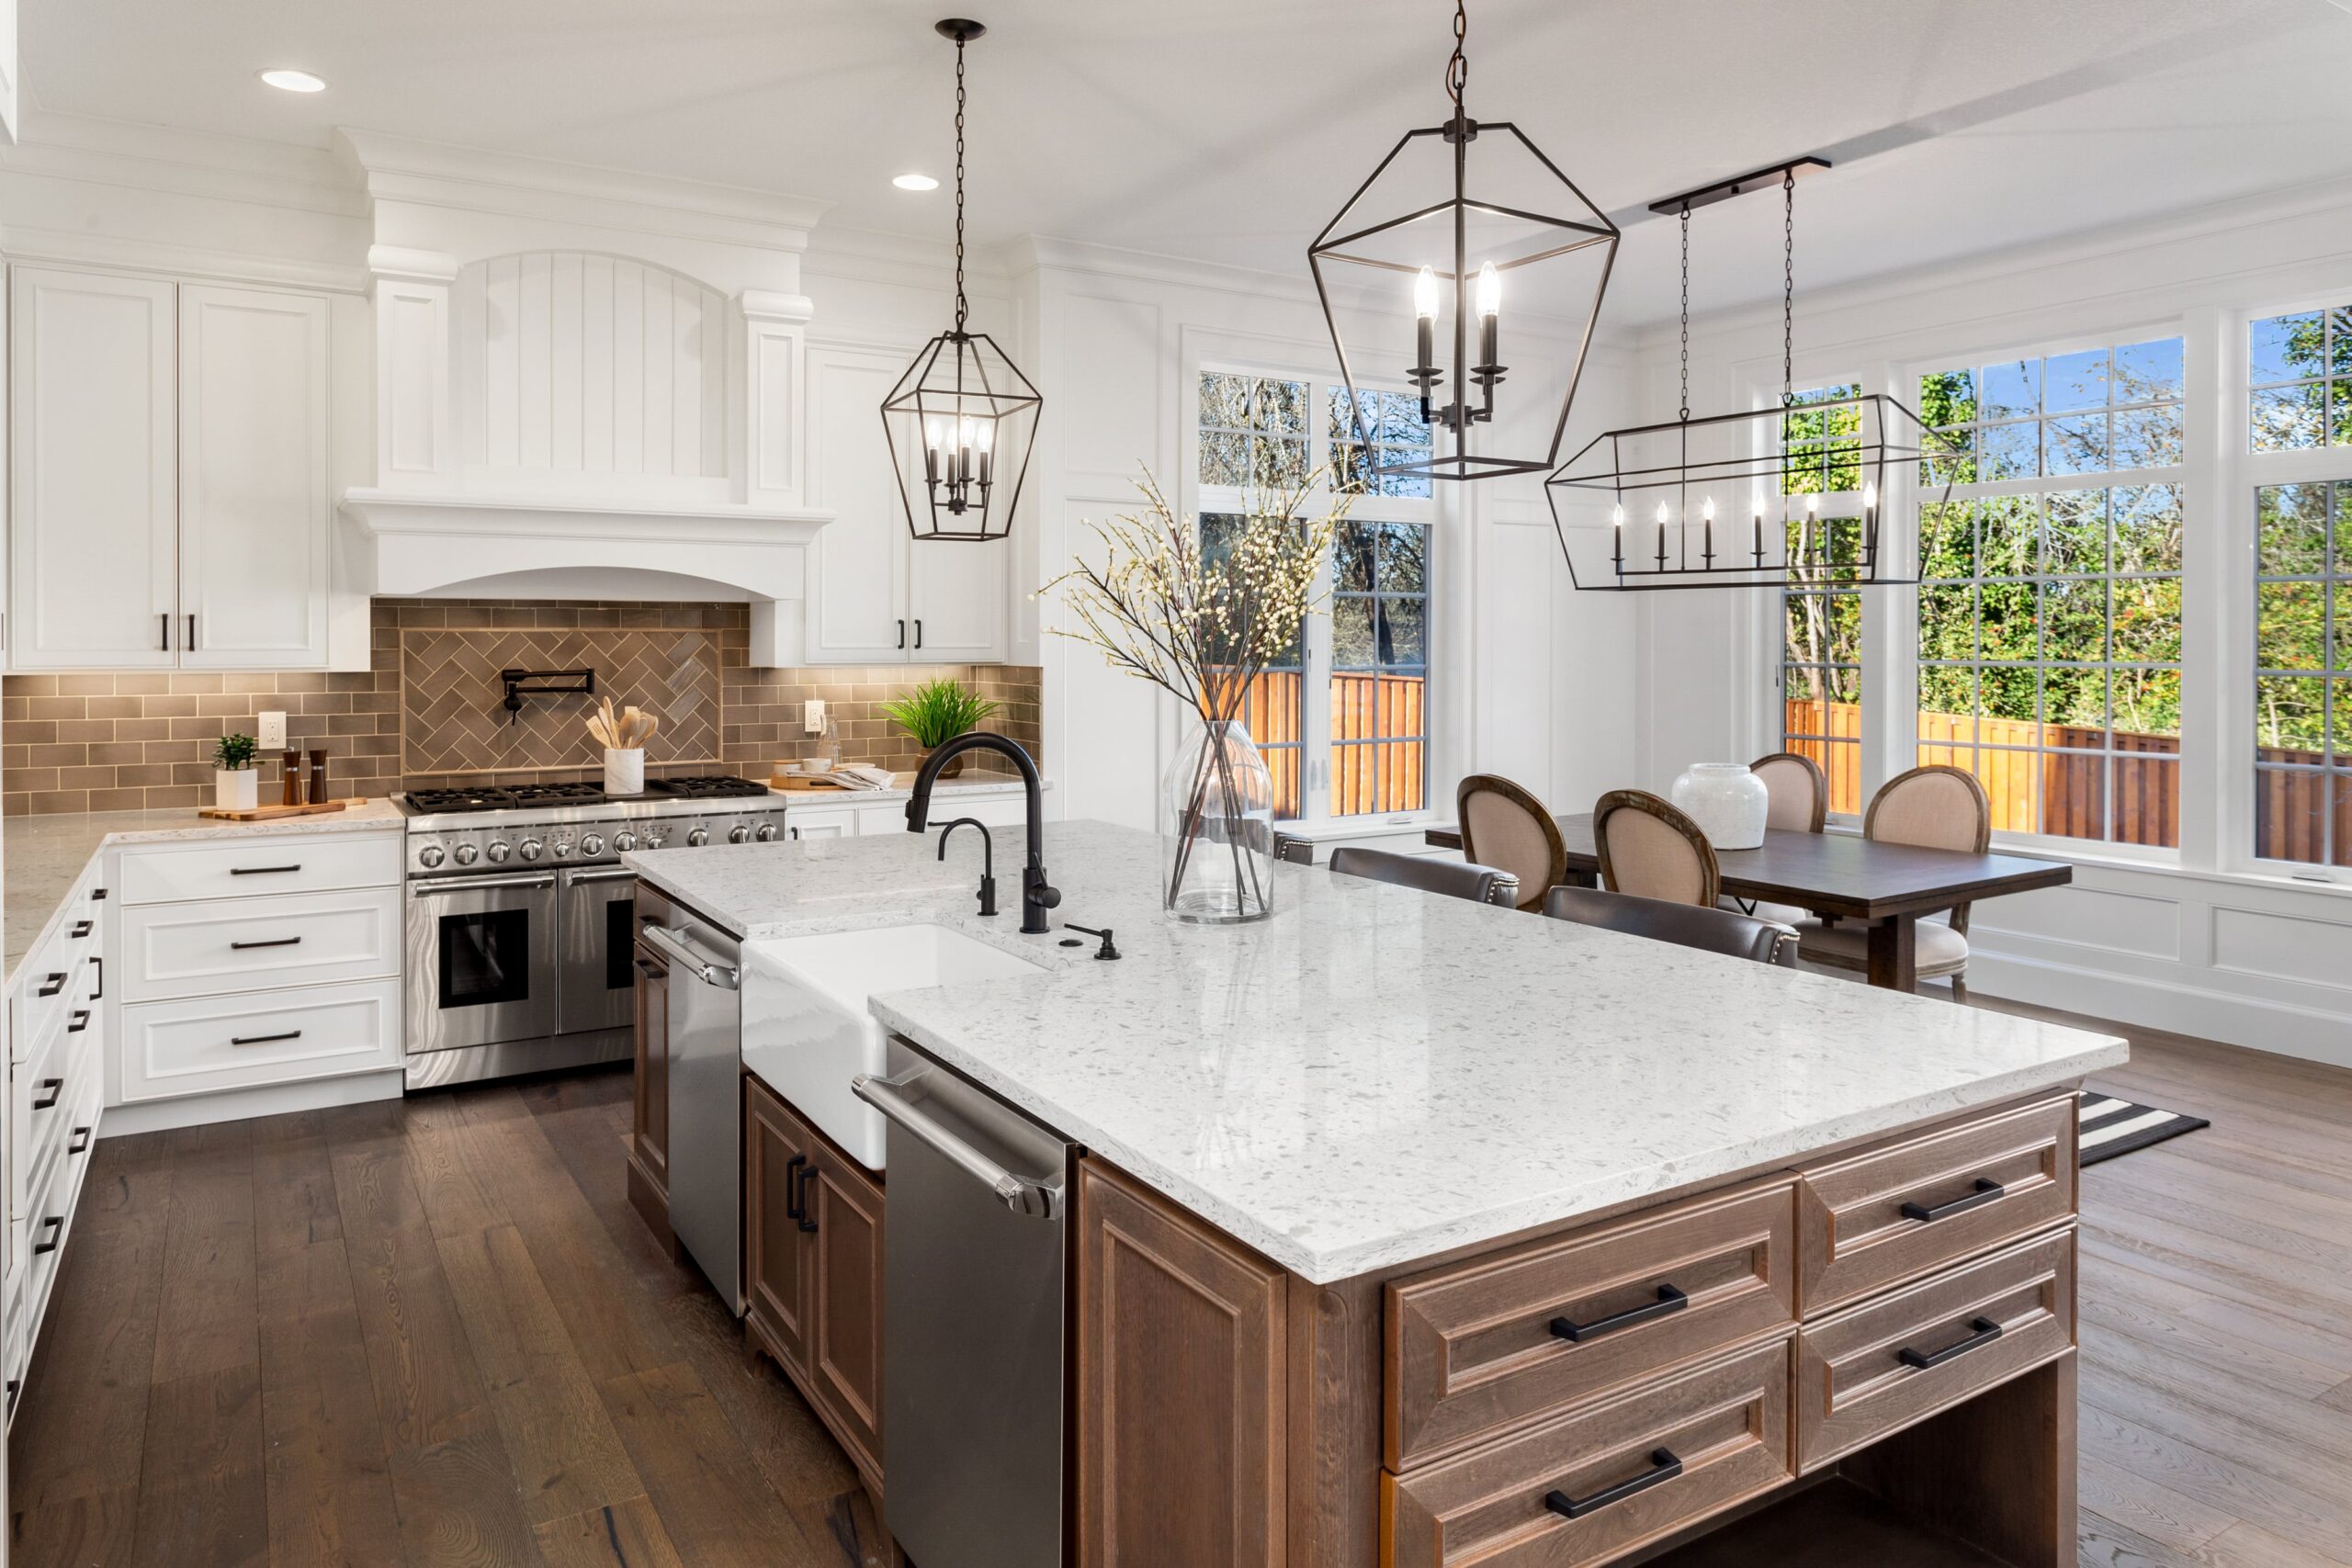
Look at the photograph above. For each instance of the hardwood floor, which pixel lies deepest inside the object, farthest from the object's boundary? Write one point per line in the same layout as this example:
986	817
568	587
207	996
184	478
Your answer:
423	1332
435	1332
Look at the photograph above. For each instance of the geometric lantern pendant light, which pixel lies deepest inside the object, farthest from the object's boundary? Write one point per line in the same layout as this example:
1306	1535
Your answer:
963	419
1458	220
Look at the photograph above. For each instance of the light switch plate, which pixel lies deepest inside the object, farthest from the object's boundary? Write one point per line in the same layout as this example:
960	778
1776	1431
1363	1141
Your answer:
273	732
812	715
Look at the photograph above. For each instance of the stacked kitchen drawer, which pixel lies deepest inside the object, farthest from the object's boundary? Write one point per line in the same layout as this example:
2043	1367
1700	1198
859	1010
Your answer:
56	1084
1573	1400
258	961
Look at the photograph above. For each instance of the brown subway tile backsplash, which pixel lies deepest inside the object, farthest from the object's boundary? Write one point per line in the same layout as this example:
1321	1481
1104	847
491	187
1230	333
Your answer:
428	710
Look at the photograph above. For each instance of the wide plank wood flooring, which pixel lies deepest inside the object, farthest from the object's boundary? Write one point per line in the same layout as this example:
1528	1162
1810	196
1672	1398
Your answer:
433	1331
419	1331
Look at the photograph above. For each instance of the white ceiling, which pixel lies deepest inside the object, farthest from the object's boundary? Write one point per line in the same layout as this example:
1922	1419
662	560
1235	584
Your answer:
1229	130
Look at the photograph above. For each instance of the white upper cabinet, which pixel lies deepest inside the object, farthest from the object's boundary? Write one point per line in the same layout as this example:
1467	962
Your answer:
876	596
94	476
169	501
254	498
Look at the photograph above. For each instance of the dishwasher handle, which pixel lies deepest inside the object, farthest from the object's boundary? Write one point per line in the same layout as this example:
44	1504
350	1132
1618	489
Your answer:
701	965
1040	1200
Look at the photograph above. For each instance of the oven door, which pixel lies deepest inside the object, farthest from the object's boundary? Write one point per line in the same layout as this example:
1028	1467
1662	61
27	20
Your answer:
598	984
481	960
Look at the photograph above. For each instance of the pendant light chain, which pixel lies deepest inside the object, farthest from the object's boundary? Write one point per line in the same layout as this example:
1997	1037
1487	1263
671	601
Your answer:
1685	313
961	307
1789	289
1457	69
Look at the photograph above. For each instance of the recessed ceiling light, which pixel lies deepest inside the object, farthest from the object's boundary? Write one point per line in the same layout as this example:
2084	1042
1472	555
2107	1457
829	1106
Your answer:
295	81
915	181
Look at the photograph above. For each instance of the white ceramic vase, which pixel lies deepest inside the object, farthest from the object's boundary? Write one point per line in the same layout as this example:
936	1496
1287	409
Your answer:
236	789
1728	801
625	771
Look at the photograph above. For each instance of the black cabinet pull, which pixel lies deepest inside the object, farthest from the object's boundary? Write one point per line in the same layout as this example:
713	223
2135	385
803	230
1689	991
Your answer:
792	1186
166	644
264	1039
81	1141
273	941
918	631
902	634
191	634
808	1216
1669	1302
1987	1191
52	984
82	928
647	967
1664	1467
81	1021
263	870
56	1086
99	961
55	1226
1985	1332
97	894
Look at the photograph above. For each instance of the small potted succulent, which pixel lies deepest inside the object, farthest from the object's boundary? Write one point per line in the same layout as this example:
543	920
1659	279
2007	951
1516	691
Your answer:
938	712
237	775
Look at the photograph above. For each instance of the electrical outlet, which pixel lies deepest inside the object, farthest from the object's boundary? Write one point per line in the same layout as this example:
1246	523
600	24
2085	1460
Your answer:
812	715
273	732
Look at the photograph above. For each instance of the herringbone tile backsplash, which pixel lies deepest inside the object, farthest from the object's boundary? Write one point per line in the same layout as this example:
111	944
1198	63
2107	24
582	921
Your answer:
429	711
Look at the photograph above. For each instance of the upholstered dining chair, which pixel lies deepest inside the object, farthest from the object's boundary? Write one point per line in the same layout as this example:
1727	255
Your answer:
1649	848
1686	925
1505	826
1935	807
1799	792
1455	879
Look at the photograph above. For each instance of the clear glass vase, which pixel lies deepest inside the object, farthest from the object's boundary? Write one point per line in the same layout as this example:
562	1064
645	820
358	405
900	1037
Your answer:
1217	828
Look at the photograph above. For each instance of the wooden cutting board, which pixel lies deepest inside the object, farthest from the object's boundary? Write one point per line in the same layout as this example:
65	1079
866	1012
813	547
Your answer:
271	813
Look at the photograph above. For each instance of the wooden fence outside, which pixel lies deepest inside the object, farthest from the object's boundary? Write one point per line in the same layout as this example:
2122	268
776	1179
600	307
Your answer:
1391	776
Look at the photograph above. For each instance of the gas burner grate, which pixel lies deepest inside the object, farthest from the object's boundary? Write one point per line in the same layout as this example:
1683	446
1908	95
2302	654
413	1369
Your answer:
431	802
706	786
556	795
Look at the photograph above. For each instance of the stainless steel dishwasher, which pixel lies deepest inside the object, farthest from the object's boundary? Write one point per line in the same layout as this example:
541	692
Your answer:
705	1095
972	1353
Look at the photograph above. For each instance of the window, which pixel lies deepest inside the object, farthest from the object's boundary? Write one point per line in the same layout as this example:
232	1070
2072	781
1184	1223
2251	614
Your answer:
1821	645
2302	717
2301	371
1368	718
2049	606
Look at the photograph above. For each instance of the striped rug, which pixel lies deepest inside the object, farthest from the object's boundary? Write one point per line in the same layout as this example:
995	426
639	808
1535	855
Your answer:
2112	1127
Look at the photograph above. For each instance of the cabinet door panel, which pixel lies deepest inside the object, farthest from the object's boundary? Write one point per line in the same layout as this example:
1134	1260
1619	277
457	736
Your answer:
845	1304
95	479
778	1150
857	600
253	501
957	602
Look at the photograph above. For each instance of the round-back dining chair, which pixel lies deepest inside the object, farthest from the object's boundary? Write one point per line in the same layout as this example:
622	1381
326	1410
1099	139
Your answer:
1506	826
1652	849
1936	807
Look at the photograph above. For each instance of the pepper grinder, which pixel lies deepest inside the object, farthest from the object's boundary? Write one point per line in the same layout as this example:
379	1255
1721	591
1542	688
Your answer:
291	767
318	775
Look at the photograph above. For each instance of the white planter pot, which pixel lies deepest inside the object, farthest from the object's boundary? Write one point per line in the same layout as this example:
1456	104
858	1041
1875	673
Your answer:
1728	801
236	789
625	771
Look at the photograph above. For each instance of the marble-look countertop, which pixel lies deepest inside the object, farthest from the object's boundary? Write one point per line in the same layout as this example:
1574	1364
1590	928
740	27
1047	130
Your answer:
1376	1075
44	856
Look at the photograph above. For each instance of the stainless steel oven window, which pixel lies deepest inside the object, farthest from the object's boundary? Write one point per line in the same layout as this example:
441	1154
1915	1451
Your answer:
484	958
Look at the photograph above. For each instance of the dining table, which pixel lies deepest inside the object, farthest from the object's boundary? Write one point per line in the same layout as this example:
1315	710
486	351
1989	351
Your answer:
1886	887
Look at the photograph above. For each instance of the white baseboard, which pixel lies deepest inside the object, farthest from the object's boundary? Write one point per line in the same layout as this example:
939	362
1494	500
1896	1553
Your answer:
238	1105
2257	1023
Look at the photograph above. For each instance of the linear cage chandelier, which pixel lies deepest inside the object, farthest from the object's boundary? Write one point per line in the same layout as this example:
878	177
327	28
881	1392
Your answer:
1790	495
962	405
1457	215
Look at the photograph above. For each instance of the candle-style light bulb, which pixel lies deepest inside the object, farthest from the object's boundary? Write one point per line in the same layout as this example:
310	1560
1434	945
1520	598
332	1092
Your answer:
1759	528
1617	515
935	439
1425	335
1490	307
984	435
1708	510
1661	514
1425	295
1813	503
1870	496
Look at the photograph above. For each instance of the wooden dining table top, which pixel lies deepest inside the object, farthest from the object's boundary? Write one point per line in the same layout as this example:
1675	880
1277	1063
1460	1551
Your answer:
1840	873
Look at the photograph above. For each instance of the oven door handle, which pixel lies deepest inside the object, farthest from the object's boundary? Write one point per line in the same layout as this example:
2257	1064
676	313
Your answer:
596	874
425	887
710	971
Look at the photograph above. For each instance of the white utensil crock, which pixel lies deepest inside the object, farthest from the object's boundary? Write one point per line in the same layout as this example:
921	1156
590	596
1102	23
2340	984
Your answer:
1728	801
625	771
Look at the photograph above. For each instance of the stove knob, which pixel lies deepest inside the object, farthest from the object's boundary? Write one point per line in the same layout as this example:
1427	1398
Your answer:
529	849
594	844
699	837
653	838
739	834
467	854
563	848
624	841
429	856
767	831
498	851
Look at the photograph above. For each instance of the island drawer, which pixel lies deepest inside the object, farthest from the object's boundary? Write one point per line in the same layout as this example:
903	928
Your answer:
1600	1482
1880	1368
1890	1214
305	863
1479	1346
246	945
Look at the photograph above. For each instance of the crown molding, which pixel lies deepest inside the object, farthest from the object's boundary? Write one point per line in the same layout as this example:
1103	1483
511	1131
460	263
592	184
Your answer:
132	156
76	247
438	174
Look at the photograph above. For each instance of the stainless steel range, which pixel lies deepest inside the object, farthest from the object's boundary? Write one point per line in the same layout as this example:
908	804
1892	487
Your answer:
521	919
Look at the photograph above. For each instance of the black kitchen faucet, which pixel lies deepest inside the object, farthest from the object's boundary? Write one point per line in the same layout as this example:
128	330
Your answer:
1037	894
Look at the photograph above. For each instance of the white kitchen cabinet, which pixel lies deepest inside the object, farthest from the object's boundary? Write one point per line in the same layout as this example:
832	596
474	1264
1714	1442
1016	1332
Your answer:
169	497
877	596
254	499
94	484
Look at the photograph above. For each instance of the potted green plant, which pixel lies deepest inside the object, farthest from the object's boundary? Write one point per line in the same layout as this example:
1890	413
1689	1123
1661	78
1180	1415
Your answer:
938	712
237	775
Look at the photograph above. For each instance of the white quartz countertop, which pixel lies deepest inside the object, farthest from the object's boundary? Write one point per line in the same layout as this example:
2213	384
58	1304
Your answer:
1376	1075
45	856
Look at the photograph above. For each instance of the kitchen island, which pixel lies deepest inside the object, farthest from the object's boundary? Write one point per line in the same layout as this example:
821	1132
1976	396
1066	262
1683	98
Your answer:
1406	1226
